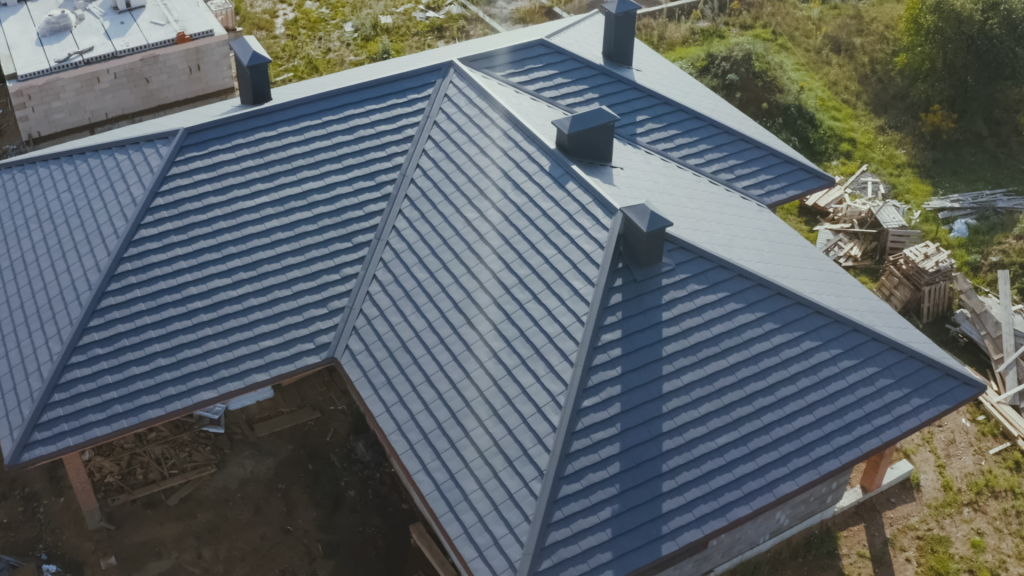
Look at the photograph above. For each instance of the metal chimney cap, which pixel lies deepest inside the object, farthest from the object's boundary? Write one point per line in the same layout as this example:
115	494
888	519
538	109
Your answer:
586	120
620	7
250	52
644	216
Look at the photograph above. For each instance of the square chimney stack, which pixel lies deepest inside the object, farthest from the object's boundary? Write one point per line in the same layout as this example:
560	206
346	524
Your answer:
619	31
643	238
588	136
252	66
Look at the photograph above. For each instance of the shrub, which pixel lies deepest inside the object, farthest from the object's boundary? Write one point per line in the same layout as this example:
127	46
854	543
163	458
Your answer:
960	53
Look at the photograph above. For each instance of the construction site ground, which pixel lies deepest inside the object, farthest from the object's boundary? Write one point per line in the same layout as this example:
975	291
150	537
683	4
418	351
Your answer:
291	503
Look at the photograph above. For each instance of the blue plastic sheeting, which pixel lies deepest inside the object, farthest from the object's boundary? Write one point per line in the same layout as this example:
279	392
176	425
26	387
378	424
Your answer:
465	344
733	158
60	222
710	395
241	267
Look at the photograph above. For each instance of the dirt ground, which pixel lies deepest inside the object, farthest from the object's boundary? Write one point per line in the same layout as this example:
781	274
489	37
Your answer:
292	503
960	491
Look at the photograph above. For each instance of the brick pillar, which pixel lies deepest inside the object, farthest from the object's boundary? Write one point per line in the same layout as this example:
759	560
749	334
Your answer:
83	490
874	472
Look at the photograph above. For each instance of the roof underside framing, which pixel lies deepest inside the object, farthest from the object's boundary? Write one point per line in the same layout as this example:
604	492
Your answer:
556	462
97	295
380	240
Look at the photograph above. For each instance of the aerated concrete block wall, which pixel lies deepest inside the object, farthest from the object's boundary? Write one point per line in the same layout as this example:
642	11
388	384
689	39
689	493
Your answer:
98	93
762	528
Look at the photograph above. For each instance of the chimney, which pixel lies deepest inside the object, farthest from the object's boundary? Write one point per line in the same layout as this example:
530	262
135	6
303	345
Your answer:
588	136
643	237
619	30
252	68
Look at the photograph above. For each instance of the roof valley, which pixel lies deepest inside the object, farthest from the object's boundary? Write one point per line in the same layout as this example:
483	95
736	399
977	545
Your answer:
556	461
97	294
348	320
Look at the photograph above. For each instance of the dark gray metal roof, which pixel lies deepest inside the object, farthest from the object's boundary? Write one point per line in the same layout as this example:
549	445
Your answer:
710	394
415	222
241	267
654	121
61	220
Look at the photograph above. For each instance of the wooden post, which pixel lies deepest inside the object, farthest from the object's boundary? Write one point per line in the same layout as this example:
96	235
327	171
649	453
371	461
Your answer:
874	472
1006	322
83	490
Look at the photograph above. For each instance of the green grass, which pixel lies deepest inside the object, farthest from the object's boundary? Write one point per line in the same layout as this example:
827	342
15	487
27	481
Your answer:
935	557
821	76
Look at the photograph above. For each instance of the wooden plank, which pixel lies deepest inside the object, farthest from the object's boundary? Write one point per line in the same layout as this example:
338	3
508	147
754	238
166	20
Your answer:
185	491
249	434
157	487
426	544
288	420
1006	319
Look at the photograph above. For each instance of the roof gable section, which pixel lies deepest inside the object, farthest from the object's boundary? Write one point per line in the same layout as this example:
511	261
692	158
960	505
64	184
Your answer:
465	342
711	394
243	263
655	122
61	220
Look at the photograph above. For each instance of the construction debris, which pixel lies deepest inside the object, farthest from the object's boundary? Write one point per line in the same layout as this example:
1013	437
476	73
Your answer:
917	281
970	204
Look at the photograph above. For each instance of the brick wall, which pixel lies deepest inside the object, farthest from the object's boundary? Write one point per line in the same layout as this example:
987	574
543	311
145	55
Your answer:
97	93
762	528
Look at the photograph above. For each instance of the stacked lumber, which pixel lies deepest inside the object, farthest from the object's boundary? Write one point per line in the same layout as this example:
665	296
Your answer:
981	320
916	281
163	456
855	227
971	204
829	197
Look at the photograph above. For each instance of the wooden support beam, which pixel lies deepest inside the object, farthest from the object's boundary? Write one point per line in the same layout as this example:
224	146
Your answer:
82	487
1006	319
288	420
874	472
154	488
430	549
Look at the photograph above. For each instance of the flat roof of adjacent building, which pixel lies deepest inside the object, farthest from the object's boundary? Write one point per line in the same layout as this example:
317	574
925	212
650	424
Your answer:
104	33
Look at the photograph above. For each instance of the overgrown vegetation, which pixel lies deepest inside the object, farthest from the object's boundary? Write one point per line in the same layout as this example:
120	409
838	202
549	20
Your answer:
307	38
837	81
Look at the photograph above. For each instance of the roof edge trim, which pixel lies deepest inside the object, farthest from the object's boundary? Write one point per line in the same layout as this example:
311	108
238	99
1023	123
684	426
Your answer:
572	25
272	107
97	295
965	376
787	155
347	322
43	156
297	373
556	461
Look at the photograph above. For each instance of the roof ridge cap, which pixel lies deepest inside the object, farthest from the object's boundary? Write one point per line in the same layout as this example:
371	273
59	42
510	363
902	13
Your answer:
347	322
571	25
43	155
556	459
925	357
94	299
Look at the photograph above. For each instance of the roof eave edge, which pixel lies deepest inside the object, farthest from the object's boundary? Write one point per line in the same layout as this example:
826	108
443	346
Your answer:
96	296
965	376
556	460
346	324
43	155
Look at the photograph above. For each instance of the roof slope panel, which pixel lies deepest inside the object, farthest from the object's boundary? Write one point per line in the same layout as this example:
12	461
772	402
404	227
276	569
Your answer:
467	338
61	220
733	158
710	394
242	265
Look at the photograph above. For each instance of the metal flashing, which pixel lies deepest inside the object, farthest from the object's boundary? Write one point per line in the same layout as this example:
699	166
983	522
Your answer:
380	239
565	424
